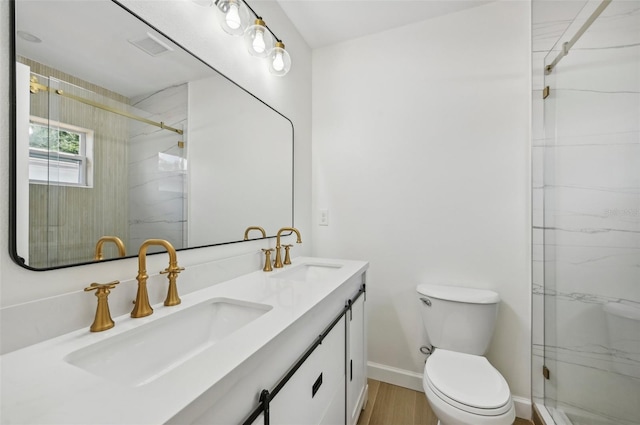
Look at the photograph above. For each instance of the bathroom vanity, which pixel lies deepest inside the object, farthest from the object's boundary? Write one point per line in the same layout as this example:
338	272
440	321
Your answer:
297	334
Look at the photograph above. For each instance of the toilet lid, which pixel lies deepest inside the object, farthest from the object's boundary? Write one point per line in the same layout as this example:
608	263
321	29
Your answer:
467	379
459	294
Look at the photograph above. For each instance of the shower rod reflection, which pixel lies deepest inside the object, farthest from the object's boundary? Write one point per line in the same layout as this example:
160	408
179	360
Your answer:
566	46
36	87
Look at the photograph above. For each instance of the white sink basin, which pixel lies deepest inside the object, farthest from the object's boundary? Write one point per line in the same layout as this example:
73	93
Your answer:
308	272
143	354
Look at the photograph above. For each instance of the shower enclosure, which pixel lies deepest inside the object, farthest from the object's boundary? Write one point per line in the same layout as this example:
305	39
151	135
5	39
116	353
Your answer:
586	211
84	145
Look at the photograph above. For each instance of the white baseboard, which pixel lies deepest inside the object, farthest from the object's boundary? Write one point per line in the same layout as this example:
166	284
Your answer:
395	376
523	407
413	381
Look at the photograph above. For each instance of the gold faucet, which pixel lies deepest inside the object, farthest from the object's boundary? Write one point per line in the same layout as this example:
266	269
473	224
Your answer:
143	308
103	320
278	263
250	228
116	240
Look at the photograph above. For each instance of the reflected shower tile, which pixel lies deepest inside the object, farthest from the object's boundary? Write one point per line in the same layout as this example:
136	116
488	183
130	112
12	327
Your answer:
171	232
157	169
595	275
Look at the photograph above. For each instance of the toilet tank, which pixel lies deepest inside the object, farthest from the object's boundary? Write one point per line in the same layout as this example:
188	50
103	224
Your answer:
458	318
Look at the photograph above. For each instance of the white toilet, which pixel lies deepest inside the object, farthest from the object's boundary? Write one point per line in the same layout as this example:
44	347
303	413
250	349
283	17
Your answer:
462	387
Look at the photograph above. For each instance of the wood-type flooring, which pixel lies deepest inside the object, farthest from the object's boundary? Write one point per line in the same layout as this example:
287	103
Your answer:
392	405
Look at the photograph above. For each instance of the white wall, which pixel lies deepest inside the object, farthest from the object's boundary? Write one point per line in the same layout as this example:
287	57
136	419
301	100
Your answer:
421	155
195	28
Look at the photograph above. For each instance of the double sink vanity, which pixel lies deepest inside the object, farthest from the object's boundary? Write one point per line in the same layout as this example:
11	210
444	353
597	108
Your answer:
296	334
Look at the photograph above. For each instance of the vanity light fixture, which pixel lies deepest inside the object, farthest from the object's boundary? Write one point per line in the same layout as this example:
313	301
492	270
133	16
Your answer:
235	17
258	37
279	60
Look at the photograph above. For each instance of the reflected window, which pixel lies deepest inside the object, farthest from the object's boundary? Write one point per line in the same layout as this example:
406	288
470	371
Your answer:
60	154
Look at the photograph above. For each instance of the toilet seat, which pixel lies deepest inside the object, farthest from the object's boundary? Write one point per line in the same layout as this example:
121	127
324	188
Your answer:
467	382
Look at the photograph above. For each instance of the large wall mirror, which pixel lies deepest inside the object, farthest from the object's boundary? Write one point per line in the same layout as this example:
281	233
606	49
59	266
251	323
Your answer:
120	132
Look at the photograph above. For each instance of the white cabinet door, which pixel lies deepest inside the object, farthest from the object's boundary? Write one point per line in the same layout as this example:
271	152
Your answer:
356	361
334	414
315	393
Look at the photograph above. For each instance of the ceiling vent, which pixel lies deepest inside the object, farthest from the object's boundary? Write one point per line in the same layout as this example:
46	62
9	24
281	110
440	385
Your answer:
151	45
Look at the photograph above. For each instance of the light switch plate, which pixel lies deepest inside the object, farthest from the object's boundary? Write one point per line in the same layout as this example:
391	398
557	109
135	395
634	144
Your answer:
323	218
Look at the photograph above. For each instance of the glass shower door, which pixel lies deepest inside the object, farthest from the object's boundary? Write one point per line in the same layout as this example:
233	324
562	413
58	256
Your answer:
592	224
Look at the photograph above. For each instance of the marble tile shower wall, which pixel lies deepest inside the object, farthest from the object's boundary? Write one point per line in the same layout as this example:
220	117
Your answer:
586	213
158	170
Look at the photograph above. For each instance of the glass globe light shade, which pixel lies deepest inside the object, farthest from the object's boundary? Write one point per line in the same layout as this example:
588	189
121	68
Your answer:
235	16
279	60
258	39
203	3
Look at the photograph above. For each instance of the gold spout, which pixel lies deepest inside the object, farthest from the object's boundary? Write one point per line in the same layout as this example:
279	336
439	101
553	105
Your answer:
278	263
103	320
116	240
250	228
142	307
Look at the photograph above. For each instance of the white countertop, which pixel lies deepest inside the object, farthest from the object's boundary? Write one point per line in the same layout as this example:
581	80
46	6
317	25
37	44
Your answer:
40	387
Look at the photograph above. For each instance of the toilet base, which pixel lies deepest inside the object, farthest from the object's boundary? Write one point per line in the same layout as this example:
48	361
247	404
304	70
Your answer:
450	415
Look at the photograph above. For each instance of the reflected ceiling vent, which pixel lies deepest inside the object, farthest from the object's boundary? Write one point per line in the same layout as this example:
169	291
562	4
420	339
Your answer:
152	45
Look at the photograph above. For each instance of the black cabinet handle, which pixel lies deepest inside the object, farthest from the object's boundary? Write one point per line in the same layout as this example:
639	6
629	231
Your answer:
316	386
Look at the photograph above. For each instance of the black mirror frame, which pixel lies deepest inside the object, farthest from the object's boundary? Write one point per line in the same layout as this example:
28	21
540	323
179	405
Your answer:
12	205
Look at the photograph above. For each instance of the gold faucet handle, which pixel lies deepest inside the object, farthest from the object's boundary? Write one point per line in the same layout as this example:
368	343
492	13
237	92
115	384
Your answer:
287	257
267	260
102	320
172	294
172	270
101	287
